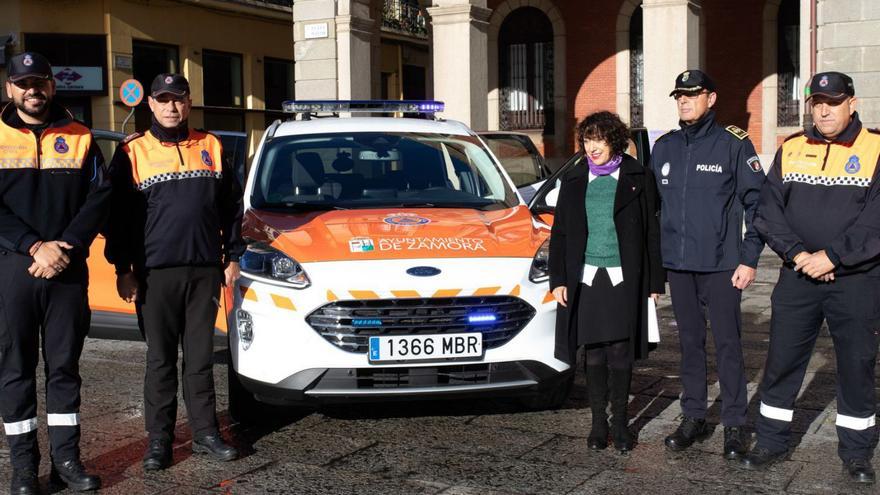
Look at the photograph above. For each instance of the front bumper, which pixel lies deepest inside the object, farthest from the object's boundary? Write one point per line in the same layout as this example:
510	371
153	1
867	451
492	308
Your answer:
324	386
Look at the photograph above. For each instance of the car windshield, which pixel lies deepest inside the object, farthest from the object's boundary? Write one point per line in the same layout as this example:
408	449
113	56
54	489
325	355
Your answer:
516	157
376	170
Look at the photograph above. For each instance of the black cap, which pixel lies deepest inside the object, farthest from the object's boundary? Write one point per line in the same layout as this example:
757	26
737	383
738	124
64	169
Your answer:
835	85
28	64
690	81
174	84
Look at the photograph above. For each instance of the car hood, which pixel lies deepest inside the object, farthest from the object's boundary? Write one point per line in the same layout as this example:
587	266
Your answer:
412	233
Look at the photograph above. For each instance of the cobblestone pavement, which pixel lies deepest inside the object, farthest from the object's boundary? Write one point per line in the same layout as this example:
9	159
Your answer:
448	447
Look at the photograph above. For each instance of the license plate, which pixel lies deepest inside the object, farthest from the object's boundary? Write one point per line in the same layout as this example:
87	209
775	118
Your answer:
420	347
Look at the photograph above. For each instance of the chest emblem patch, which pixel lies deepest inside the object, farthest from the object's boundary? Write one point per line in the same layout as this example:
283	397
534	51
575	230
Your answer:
664	170
61	145
206	158
852	165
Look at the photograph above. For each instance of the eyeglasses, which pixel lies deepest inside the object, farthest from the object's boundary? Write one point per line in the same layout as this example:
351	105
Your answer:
31	82
689	96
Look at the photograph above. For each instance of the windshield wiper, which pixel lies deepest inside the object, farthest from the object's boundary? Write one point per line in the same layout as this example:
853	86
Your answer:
303	206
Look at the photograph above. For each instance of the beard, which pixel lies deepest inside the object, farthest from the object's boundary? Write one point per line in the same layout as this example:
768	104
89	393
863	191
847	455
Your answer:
35	109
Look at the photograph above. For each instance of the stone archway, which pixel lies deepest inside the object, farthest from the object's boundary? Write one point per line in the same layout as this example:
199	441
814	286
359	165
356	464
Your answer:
559	86
622	59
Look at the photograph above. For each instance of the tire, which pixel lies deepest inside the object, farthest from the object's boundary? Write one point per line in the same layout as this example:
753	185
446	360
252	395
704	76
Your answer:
552	397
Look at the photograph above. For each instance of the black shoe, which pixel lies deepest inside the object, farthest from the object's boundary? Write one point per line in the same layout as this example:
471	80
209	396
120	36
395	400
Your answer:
73	474
736	441
860	470
760	459
158	455
689	431
214	446
24	482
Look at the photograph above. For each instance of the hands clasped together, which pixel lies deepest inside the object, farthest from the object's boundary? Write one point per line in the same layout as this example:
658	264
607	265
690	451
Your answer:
816	265
50	258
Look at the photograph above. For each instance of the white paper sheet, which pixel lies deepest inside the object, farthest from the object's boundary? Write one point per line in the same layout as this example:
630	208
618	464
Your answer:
653	325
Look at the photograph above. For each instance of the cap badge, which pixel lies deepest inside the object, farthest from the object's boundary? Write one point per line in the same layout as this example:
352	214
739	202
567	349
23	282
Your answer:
27	60
169	79
824	81
685	76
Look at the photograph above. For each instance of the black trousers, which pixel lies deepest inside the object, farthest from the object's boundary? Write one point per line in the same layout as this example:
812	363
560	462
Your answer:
691	292
56	313
178	306
851	306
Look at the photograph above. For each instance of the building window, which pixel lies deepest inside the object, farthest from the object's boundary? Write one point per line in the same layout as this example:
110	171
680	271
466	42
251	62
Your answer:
788	64
525	44
636	70
223	90
279	86
148	60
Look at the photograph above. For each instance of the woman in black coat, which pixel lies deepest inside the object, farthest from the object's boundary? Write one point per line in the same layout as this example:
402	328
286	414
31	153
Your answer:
604	265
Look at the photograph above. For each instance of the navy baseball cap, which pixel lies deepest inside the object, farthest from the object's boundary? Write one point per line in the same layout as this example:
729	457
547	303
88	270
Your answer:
28	64
174	84
835	85
691	81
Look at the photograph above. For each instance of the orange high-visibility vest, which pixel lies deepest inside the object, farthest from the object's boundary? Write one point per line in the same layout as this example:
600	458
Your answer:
827	164
152	161
65	146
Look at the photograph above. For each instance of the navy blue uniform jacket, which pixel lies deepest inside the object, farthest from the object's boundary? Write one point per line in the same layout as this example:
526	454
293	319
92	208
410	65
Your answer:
710	179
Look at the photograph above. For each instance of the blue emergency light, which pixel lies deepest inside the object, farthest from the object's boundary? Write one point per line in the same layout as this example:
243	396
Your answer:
482	318
363	106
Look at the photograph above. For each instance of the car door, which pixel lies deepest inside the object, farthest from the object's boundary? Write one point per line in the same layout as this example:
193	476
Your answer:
520	158
543	204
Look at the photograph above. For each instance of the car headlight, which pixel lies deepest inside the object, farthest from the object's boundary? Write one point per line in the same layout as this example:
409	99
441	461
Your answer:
263	262
540	268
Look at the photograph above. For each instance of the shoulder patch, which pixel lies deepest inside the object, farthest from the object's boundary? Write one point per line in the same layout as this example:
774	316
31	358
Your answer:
131	137
736	131
795	135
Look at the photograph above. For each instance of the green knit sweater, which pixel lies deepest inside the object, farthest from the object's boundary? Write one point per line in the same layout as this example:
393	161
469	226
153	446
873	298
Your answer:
602	248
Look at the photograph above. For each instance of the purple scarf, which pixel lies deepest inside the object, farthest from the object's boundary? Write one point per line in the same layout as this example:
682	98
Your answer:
608	168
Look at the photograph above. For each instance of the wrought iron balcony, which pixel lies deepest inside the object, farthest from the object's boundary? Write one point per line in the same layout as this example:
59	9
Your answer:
284	4
405	17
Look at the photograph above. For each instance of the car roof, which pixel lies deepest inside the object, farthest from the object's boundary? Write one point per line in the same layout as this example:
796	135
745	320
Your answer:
333	125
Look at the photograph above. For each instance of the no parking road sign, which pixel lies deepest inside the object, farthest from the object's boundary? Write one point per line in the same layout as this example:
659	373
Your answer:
131	92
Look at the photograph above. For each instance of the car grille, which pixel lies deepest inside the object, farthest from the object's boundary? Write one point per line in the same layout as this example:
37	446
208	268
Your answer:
336	321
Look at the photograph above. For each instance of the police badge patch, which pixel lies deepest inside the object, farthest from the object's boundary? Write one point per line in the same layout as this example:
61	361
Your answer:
852	165
206	158
755	164
61	145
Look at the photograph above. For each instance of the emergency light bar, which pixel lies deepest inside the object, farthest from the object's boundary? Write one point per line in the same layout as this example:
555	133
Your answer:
363	106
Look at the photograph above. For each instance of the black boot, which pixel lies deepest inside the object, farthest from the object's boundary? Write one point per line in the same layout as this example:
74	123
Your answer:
158	455
73	474
619	385
24	481
597	386
736	442
214	446
689	431
860	470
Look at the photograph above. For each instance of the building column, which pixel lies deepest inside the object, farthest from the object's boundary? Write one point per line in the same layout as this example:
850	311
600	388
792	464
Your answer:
460	50
672	45
332	49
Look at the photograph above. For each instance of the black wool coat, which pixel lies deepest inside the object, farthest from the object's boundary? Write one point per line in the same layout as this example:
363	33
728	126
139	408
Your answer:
636	218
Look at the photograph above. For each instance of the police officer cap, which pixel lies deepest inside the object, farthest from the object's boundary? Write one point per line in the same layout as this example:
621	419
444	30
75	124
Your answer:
836	85
28	64
691	81
174	84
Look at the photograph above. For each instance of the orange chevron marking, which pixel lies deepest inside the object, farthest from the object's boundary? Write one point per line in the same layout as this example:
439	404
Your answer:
283	302
515	291
331	296
406	293
447	293
487	291
363	294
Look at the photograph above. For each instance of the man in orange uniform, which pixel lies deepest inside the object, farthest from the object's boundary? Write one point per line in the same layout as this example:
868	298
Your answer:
174	237
53	199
